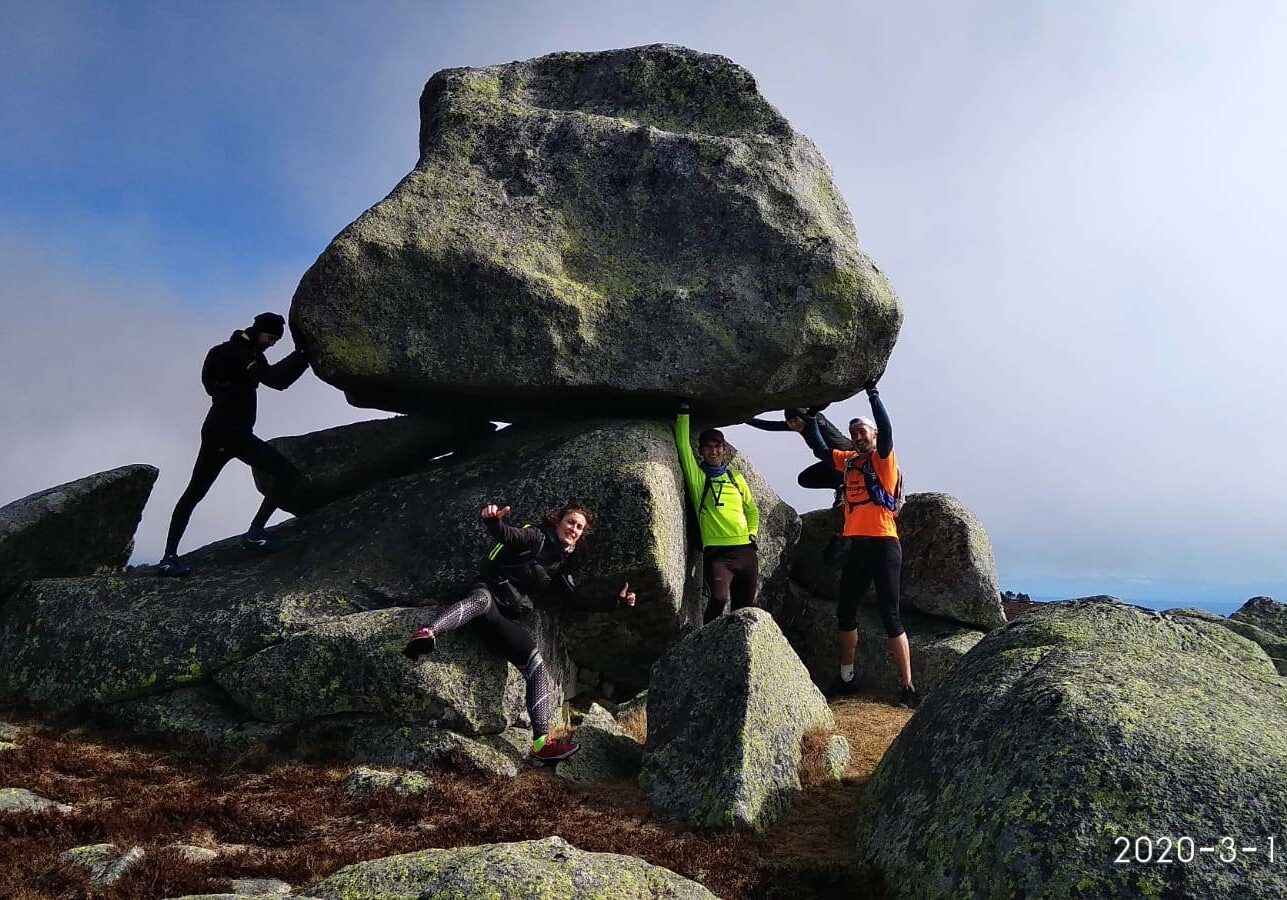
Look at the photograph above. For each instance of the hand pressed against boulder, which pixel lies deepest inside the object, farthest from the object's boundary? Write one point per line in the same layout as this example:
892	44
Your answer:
231	374
727	517
872	496
525	562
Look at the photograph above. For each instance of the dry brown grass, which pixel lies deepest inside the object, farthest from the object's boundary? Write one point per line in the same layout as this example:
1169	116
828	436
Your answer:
293	820
813	755
635	724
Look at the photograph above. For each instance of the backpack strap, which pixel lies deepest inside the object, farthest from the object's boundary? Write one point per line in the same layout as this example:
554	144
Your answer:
733	476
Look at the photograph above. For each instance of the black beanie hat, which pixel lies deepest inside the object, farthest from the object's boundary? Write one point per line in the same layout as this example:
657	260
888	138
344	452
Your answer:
710	436
270	323
795	412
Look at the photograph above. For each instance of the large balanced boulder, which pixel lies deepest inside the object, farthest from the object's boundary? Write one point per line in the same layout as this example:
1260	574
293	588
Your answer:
809	624
339	462
948	567
530	870
77	528
600	231
1068	735
727	709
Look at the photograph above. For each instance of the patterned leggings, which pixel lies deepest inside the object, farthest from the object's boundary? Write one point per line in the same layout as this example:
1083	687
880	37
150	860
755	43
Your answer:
511	640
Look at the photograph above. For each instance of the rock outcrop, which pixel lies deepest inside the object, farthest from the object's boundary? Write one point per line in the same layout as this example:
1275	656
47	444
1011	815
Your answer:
1072	732
355	665
948	567
364	782
1275	646
78	528
727	708
1264	612
249	646
607	753
809	624
604	231
21	800
105	864
530	870
340	462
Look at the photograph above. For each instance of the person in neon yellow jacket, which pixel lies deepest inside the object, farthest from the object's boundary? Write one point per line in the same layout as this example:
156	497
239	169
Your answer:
727	517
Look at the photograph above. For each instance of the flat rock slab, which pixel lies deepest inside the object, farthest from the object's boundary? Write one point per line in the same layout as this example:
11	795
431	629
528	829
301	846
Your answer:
259	887
600	232
77	528
363	782
420	745
727	709
339	462
21	800
1076	726
531	870
105	863
201	718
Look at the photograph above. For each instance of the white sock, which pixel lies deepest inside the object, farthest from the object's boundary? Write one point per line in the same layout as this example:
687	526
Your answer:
847	673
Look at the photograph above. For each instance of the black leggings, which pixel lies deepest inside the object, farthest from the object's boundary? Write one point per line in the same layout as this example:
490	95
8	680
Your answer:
871	559
512	641
732	574
215	453
821	475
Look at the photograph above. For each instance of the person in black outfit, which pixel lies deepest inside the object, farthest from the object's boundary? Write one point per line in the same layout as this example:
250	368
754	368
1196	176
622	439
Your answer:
820	474
231	374
527	561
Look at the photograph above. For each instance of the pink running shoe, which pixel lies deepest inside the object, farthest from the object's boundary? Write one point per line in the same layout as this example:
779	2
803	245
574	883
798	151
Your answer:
553	751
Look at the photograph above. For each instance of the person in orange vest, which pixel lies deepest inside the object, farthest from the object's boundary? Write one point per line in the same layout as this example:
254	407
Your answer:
873	496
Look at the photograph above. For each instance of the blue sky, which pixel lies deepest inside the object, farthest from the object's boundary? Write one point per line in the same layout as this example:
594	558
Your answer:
1081	206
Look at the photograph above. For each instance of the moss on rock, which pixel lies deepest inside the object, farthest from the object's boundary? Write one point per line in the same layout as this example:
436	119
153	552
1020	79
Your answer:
1076	725
531	870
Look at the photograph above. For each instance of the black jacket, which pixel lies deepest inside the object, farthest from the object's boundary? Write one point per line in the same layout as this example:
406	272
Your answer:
830	433
532	559
231	374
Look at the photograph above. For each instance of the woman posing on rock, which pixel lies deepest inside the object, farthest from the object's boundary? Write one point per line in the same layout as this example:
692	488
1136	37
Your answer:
525	561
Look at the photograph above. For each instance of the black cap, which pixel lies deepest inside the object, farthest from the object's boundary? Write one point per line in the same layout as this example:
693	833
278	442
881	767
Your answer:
270	323
795	412
710	436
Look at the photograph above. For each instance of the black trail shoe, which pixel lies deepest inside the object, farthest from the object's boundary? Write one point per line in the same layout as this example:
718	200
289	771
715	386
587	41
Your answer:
170	567
909	699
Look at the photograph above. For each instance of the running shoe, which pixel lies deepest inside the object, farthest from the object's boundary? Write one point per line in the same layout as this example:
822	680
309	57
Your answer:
170	567
264	543
553	751
909	699
842	688
420	645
